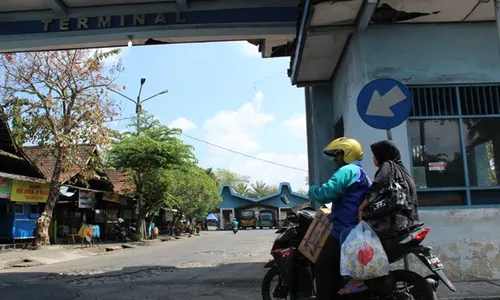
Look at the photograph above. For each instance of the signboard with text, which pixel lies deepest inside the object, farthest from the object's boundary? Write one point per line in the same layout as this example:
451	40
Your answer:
201	17
86	199
437	166
24	191
5	187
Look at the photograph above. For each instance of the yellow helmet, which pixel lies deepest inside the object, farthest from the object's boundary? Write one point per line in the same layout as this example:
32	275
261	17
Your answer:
353	151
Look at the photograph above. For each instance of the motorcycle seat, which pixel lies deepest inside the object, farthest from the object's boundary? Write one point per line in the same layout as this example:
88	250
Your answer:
403	232
416	225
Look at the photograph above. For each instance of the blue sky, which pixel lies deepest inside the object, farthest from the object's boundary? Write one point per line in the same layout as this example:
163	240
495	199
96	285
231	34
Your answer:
226	94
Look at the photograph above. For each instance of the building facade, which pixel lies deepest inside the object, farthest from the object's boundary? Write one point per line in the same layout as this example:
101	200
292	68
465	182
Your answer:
451	142
233	204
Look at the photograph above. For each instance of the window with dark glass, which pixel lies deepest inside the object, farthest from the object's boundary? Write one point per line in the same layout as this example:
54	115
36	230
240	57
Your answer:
482	146
455	144
19	209
436	152
34	209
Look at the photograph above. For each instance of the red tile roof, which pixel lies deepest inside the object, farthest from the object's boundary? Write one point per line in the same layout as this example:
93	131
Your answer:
120	180
45	161
9	150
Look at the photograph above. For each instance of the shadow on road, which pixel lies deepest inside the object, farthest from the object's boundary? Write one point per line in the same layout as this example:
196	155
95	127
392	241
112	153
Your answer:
226	281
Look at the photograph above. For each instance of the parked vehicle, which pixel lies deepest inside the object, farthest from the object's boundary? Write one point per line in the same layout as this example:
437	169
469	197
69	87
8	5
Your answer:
266	218
121	231
295	273
247	219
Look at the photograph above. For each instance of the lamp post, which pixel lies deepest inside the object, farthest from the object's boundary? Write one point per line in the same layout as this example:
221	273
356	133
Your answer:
138	102
138	110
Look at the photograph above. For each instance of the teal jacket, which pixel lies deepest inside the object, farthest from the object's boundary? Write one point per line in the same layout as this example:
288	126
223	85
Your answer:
346	189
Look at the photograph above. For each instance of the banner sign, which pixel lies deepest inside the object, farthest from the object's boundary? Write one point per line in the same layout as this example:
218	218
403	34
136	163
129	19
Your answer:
24	191
86	199
202	17
169	216
5	187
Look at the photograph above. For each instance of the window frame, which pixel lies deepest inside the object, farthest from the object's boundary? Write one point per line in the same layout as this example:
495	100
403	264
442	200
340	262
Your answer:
467	188
16	205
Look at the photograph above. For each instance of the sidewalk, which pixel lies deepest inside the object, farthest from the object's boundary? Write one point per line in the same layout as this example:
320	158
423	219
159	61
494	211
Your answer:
487	289
46	255
18	258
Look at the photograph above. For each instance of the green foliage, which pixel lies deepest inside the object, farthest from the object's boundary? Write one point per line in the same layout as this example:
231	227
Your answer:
261	189
192	191
164	170
226	176
242	189
210	172
155	147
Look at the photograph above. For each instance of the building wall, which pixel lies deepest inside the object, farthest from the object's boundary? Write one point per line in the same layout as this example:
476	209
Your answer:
413	54
237	201
466	240
417	55
229	201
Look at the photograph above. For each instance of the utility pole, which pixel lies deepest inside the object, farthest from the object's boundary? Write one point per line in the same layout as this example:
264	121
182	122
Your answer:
138	111
138	102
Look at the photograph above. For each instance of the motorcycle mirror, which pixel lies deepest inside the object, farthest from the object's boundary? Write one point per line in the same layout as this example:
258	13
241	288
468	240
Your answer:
285	199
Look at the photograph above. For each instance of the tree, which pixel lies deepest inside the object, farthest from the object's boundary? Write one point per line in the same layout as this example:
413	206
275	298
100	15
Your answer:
261	189
192	192
149	156
59	99
226	176
210	172
242	189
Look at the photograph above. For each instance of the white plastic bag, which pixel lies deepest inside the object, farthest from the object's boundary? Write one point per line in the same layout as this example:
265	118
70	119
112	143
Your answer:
362	255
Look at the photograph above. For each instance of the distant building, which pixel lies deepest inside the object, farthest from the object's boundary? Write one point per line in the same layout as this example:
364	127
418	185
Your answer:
233	204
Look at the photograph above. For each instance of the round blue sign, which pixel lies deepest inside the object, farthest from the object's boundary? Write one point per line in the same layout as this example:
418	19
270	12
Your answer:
384	103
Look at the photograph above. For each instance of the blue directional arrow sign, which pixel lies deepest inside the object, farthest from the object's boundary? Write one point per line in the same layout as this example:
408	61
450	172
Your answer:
384	103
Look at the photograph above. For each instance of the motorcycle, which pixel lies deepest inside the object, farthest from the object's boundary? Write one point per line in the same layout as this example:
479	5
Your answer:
294	272
234	227
123	233
120	233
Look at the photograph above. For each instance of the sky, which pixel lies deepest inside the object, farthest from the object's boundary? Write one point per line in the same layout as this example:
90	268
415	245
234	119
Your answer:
228	95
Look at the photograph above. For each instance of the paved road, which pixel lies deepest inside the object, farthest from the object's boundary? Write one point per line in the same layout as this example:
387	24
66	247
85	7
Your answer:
218	265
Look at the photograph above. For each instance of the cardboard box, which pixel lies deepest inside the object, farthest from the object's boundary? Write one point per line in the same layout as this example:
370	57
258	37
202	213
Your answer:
316	235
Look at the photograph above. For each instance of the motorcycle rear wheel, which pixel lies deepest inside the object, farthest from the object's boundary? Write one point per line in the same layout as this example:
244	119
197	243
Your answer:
415	286
267	288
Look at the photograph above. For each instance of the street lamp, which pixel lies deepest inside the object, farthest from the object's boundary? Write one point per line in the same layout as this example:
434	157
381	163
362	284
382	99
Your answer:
138	110
138	102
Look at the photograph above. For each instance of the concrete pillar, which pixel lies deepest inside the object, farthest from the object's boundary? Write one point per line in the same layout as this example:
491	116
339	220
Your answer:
320	124
221	219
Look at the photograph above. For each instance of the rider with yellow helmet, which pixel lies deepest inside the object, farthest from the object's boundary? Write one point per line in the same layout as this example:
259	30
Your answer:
346	189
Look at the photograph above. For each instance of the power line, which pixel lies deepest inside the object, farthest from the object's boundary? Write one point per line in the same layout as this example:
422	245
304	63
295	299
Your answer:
233	151
243	154
266	78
